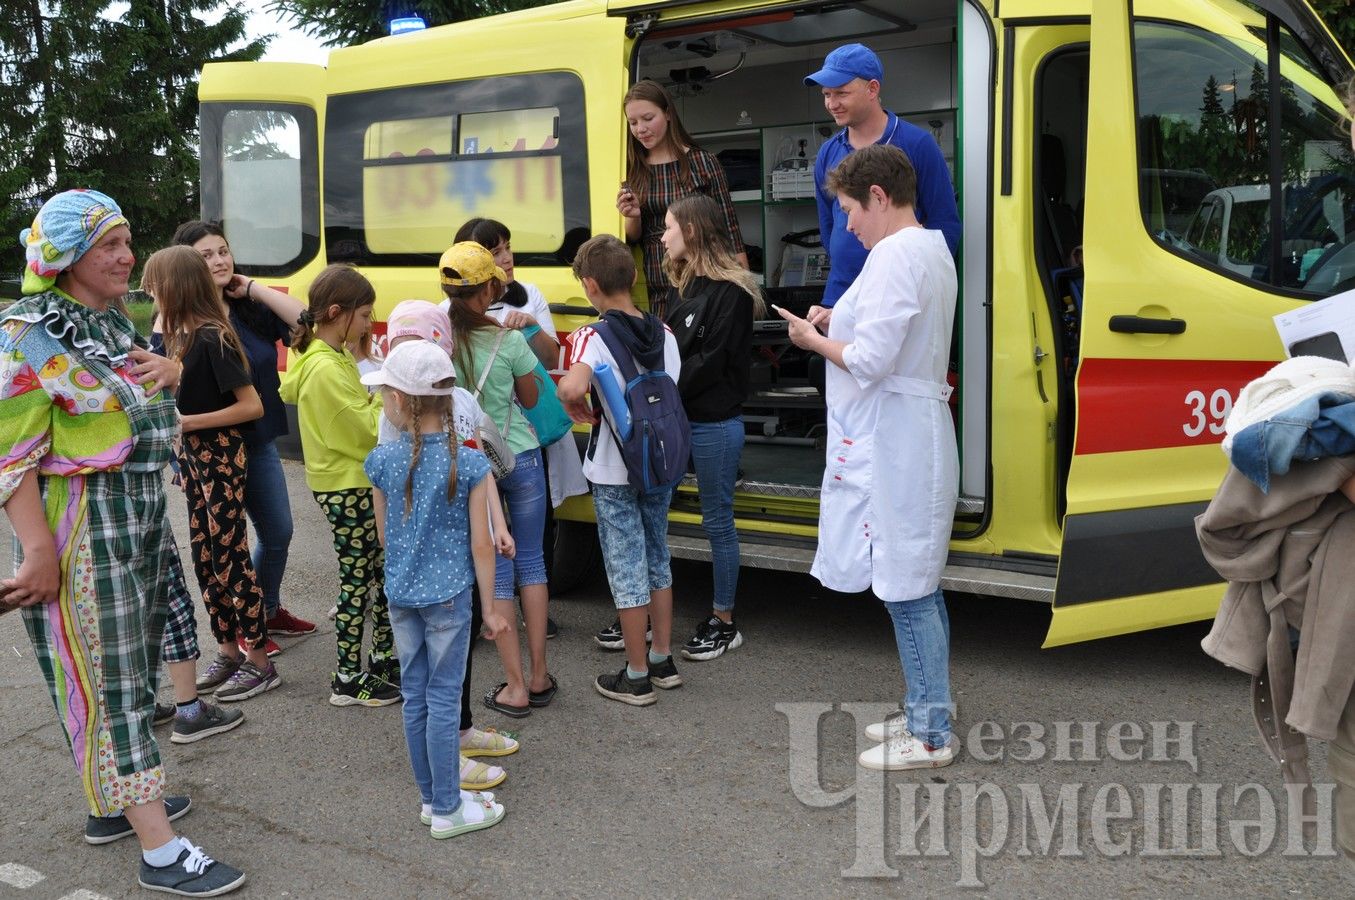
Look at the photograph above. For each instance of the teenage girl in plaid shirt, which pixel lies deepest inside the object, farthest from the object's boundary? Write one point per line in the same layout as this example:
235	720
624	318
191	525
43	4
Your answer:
664	164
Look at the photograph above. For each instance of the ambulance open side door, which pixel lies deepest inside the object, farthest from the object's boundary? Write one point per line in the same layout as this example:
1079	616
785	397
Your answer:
1164	349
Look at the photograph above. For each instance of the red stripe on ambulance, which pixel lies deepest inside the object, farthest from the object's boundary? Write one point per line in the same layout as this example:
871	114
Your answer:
1144	404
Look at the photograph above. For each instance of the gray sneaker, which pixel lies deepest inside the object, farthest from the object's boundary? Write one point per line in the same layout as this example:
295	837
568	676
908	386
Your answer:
193	874
248	681
222	668
106	829
212	720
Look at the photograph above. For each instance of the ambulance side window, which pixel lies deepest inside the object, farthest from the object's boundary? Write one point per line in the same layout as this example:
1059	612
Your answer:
406	166
1204	126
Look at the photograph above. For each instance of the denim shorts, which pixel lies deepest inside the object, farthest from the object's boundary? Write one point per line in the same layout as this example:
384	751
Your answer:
633	531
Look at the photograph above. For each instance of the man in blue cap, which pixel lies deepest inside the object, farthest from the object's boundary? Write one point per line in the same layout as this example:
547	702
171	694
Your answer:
850	79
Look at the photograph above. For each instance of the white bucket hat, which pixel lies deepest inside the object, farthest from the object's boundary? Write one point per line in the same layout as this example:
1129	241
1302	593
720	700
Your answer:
417	368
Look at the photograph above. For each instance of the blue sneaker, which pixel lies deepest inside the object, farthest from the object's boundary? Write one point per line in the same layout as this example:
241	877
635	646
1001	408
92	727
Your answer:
193	874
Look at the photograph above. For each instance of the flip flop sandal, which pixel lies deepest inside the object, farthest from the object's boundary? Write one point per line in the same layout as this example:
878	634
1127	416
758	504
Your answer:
543	698
516	712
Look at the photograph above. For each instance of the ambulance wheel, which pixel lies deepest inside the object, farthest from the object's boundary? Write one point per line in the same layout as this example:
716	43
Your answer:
575	555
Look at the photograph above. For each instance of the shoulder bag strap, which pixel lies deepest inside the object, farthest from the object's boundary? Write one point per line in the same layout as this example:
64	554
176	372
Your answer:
489	364
484	375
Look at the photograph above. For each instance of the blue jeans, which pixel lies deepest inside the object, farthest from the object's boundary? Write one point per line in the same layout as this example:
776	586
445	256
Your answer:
716	447
433	642
633	532
922	631
270	511
525	492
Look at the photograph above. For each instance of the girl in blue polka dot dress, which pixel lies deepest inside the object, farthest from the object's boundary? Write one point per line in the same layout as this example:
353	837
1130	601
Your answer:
432	514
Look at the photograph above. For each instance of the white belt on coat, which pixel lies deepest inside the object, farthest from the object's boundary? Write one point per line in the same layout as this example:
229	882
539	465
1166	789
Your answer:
915	387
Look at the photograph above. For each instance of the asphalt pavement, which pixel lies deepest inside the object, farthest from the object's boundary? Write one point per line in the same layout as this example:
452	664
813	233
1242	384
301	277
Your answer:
732	785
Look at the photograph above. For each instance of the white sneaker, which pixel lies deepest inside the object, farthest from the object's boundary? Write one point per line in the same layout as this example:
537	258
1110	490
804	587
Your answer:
907	752
894	726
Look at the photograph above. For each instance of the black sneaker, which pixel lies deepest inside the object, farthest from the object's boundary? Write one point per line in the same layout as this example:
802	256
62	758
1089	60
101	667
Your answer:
164	712
620	687
713	637
107	829
193	874
212	720
665	674
552	630
388	669
609	638
364	690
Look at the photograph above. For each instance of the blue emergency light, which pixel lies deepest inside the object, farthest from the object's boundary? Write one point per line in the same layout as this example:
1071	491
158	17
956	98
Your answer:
407	24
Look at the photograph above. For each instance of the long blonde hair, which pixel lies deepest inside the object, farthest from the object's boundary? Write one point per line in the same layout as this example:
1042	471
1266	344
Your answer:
178	279
708	251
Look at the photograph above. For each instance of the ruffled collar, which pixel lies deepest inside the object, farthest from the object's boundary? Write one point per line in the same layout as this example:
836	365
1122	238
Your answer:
107	335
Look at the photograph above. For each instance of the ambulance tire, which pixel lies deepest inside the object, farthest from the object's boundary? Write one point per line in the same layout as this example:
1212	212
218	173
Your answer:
575	557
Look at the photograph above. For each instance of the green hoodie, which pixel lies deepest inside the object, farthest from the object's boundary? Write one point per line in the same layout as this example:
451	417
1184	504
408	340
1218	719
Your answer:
338	416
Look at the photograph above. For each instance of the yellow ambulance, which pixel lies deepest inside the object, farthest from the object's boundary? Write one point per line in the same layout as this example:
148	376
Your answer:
1106	318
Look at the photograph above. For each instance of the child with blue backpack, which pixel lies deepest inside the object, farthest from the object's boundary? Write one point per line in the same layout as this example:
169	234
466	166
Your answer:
637	451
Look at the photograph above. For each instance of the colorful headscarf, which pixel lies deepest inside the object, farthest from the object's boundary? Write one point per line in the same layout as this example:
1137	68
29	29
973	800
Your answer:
63	231
422	319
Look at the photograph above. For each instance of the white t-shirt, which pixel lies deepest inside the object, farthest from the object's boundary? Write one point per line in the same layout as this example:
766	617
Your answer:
536	307
603	463
466	415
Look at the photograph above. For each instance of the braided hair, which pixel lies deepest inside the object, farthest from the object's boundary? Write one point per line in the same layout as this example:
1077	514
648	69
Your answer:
420	405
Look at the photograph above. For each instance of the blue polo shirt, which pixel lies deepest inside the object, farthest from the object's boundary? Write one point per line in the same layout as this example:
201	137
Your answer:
935	205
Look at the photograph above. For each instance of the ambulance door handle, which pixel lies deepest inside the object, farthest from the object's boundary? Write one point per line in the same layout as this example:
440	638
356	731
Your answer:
1145	325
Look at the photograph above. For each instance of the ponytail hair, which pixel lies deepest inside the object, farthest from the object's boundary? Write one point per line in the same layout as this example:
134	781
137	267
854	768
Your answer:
466	319
337	285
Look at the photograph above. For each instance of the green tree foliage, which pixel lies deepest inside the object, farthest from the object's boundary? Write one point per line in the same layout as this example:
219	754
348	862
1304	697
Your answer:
1340	18
92	99
358	21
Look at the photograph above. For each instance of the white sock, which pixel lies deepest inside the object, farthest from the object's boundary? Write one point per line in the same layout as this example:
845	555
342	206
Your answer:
164	856
471	811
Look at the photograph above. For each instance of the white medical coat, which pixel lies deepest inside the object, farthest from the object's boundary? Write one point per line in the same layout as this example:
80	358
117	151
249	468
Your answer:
892	476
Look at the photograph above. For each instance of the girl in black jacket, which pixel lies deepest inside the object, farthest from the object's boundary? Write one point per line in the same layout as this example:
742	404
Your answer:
718	299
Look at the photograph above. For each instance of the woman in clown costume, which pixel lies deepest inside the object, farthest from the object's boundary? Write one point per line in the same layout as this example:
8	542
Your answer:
87	416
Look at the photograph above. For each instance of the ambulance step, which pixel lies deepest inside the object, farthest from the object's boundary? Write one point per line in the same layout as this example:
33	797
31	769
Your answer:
958	577
784	557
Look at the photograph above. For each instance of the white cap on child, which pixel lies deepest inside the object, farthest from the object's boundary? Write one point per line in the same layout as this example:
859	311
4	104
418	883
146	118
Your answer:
417	368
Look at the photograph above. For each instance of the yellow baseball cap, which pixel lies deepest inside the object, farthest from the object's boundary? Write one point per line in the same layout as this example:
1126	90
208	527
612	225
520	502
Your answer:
467	264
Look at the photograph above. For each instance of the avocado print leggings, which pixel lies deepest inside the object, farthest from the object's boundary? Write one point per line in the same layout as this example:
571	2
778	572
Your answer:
361	595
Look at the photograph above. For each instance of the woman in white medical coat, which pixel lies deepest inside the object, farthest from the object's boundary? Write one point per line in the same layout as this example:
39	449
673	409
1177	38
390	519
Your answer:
892	472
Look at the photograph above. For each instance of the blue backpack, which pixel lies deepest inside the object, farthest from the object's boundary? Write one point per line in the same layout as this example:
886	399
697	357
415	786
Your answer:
658	442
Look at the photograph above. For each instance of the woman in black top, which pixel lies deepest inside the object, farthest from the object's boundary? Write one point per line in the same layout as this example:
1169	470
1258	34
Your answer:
718	299
262	316
216	395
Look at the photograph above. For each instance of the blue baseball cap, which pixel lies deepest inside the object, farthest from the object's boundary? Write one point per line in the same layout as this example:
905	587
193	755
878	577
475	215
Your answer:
845	63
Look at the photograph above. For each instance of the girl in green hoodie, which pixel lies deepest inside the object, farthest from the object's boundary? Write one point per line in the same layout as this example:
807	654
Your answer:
338	421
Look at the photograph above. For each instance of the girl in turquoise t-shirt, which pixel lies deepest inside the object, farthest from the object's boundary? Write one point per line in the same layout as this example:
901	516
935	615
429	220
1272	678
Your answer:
495	364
